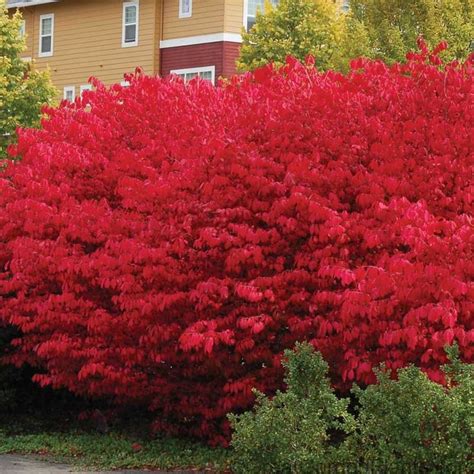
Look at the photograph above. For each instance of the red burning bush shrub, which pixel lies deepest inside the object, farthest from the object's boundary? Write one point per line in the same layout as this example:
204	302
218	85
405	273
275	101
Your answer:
165	246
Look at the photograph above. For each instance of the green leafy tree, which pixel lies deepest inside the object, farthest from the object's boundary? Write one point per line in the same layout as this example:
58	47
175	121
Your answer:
23	90
377	29
387	29
298	28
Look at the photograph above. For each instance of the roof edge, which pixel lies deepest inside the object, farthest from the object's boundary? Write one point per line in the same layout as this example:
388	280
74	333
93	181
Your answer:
27	3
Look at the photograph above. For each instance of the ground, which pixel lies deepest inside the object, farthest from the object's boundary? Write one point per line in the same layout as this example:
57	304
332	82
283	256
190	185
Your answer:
15	464
26	441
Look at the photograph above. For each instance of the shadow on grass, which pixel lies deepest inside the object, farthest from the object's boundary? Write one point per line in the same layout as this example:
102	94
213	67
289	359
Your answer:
119	449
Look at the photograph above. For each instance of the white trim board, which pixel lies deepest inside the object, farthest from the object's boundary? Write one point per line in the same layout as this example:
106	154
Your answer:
31	3
202	39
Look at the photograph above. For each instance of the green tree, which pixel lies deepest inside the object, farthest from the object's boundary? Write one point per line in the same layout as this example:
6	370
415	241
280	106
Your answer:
297	28
23	90
387	29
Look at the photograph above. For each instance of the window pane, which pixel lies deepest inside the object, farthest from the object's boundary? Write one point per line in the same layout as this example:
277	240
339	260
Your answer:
46	44
191	75
46	26
253	7
206	75
130	15
130	33
250	22
85	87
186	6
69	95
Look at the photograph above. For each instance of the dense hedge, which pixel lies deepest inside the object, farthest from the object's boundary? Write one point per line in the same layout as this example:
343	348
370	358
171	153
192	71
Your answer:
163	243
407	425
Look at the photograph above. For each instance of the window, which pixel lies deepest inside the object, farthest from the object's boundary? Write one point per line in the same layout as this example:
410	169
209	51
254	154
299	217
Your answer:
85	87
130	24
69	93
251	7
185	8
208	73
22	28
46	35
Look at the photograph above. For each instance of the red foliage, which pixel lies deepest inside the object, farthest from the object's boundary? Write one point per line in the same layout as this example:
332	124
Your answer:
165	245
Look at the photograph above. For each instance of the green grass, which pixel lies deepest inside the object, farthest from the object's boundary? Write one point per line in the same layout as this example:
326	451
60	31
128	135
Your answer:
114	450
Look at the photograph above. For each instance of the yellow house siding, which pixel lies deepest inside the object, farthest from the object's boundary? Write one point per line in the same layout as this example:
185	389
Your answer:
234	16
88	41
28	17
207	18
157	35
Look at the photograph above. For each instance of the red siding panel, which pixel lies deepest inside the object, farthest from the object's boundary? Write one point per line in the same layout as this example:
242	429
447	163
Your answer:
231	53
220	54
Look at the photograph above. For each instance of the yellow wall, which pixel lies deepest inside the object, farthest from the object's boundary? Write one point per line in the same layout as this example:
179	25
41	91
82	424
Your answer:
207	18
234	16
88	40
88	35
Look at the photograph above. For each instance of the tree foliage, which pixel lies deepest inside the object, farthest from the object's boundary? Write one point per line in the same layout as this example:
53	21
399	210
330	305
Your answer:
387	29
23	91
377	29
165	244
295	28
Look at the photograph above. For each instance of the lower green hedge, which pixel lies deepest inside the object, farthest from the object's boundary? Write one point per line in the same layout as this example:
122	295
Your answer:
406	425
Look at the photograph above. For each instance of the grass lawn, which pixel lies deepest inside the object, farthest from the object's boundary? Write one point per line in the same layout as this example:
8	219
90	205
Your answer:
118	449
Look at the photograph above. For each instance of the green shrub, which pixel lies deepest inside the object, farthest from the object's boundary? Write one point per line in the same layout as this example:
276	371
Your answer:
292	431
406	425
414	423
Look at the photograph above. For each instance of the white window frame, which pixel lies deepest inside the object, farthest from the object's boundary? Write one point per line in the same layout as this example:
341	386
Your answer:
197	70
69	89
183	14
136	4
246	13
85	87
41	53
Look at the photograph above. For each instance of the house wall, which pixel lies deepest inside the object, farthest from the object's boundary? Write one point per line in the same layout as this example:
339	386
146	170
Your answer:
210	37
207	18
220	54
234	16
88	40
